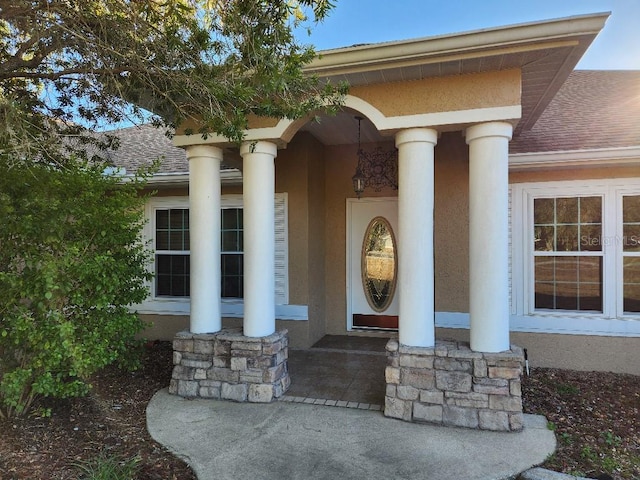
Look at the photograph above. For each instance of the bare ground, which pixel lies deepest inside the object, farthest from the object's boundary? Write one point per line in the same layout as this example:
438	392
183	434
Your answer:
596	419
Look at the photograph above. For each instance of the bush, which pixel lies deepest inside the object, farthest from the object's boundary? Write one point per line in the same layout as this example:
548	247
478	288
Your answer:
71	264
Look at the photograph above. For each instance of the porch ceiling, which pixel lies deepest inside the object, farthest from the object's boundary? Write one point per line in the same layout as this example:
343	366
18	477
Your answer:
546	52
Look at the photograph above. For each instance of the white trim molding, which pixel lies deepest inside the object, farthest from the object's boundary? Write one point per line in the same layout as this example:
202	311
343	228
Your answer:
228	309
569	325
285	129
600	157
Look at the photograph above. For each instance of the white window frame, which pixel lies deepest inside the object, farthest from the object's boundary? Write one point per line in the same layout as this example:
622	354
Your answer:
612	321
230	307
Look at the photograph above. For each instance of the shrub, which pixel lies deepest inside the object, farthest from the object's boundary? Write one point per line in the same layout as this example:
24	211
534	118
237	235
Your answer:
71	264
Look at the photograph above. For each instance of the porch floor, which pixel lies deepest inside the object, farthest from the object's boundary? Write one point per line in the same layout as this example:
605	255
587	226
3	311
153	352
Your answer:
341	368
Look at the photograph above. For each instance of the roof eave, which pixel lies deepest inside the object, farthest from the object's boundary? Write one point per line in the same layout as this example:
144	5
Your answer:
472	44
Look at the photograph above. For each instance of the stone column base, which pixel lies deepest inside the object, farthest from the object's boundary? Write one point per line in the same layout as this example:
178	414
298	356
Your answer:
452	385
230	366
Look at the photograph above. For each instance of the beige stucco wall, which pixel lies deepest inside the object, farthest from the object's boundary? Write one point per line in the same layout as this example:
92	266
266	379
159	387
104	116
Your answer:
316	257
451	224
291	174
340	165
444	94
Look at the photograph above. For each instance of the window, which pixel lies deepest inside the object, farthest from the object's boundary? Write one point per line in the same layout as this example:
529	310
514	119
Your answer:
568	253
169	232
631	252
576	257
172	252
231	248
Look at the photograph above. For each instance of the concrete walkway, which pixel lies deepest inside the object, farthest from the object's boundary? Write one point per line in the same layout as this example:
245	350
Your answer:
287	440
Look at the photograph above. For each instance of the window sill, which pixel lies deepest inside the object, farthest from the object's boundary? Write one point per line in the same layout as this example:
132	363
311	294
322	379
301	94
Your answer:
628	326
574	324
228	308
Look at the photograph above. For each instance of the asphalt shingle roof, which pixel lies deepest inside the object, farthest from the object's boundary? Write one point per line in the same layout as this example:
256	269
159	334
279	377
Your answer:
593	109
142	145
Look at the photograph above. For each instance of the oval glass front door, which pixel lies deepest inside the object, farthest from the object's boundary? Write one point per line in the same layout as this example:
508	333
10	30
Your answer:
379	264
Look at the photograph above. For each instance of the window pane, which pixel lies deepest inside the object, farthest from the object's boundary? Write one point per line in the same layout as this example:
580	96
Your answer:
176	217
567	210
232	278
544	269
566	269
631	284
230	219
590	269
162	240
568	224
162	219
179	265
231	264
163	264
230	241
567	238
590	297
172	229
172	275
591	238
544	295
543	211
232	287
566	278
631	237
568	283
544	239
591	210
631	209
175	240
163	285
566	296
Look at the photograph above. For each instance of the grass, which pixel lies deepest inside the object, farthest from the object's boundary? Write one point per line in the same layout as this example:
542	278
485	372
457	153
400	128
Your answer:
108	467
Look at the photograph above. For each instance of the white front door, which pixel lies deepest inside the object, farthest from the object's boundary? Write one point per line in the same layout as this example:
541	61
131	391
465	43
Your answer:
372	300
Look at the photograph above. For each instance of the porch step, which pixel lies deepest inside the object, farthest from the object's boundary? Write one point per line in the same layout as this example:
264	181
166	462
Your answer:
352	344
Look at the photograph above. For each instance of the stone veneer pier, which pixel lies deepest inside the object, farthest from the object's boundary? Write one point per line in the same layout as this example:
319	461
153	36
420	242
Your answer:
452	385
230	366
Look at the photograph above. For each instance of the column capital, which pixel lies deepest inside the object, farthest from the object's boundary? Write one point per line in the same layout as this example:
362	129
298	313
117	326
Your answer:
421	135
489	129
198	151
261	146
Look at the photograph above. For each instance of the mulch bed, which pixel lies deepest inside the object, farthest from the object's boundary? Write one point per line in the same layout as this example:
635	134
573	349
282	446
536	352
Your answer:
110	421
595	416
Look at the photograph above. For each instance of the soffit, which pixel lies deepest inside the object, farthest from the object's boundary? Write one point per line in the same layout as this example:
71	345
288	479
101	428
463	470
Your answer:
546	52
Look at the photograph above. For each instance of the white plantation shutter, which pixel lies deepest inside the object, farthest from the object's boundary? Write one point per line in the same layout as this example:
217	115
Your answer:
281	250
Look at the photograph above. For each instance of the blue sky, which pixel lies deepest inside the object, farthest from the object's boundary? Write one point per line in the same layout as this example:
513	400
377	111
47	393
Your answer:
370	21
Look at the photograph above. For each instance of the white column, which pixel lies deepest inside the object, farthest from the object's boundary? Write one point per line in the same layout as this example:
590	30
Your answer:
258	170
489	235
204	226
415	236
